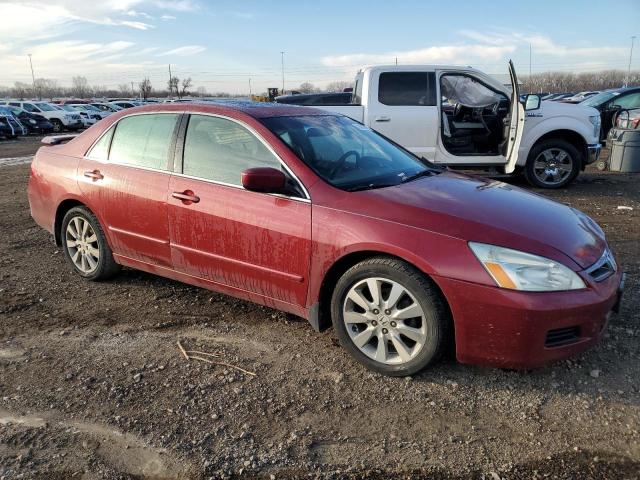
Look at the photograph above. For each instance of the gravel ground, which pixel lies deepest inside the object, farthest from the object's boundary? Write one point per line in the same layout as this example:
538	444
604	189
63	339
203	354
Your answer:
93	385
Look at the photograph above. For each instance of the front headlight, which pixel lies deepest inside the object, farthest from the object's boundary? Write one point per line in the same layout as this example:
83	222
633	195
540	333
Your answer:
517	270
32	121
595	121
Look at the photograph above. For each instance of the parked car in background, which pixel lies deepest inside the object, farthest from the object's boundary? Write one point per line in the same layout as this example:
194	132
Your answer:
562	96
85	117
32	122
628	119
126	103
107	107
10	126
339	98
92	111
59	118
579	97
610	102
464	118
398	254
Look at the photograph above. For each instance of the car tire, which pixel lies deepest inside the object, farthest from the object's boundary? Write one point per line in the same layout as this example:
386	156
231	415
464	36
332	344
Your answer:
85	245
375	336
552	163
58	127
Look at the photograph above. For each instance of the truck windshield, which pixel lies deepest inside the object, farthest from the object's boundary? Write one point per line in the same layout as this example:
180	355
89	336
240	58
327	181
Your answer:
345	153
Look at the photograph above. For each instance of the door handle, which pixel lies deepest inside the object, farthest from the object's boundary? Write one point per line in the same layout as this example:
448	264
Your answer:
94	175
382	118
187	197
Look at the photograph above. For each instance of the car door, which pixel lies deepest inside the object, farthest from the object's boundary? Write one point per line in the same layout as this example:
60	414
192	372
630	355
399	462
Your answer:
125	177
253	242
404	109
516	123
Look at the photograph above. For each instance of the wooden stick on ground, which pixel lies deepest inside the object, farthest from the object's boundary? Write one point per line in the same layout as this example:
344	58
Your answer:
223	364
197	352
184	353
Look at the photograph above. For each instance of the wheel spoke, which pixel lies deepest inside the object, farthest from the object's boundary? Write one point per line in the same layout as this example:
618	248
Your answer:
91	238
77	226
413	333
394	295
74	259
374	289
71	231
401	348
381	351
94	252
85	227
548	155
354	317
83	263
72	244
411	311
90	260
363	337
358	299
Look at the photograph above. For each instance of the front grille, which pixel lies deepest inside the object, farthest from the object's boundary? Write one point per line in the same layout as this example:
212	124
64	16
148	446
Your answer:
562	336
604	267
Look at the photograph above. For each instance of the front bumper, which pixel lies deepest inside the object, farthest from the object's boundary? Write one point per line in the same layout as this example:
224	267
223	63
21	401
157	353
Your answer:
512	329
593	153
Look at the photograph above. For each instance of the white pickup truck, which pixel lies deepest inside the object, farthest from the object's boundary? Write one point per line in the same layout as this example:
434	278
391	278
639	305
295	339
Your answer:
461	117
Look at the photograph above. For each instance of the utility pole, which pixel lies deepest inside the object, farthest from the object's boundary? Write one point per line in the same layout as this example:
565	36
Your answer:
133	93
33	77
529	63
633	37
249	87
396	60
170	85
282	59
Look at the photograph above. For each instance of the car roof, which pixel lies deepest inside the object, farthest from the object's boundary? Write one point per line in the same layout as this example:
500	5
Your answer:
252	109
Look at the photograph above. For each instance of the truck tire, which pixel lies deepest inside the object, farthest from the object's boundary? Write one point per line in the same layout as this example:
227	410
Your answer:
552	163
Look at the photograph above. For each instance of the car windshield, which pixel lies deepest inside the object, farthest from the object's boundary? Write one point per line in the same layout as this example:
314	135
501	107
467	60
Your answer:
68	108
345	153
599	99
45	107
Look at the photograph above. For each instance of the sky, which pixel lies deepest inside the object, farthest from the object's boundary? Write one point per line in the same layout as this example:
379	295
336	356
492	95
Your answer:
226	45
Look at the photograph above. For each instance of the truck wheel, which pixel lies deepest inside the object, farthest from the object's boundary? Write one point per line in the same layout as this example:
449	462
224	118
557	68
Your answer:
389	316
552	163
58	127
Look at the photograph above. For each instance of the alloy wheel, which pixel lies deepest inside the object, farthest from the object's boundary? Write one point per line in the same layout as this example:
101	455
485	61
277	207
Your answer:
82	245
384	320
553	166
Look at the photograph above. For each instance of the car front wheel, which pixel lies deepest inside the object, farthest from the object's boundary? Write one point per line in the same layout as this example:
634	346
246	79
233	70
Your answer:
552	163
389	316
58	127
85	246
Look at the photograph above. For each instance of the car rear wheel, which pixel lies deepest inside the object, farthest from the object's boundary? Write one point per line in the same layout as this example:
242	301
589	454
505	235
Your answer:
389	316
552	163
58	127
85	246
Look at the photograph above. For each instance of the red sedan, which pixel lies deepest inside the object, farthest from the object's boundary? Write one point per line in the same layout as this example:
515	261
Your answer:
317	215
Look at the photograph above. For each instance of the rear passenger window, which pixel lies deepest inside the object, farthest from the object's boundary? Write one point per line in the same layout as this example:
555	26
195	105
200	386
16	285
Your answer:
143	140
100	151
218	149
407	88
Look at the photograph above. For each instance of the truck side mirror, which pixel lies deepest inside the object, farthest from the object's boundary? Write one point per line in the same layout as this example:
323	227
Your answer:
532	102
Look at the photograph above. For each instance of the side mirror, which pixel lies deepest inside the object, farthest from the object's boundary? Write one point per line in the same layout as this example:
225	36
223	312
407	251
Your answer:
532	102
263	179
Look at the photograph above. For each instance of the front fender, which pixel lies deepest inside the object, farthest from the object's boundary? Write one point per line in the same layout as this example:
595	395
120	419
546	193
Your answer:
534	132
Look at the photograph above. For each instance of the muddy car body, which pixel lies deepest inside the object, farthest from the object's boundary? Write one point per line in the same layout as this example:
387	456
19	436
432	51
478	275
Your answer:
263	202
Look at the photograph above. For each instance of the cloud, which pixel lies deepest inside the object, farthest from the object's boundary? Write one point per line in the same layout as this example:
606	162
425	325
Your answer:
183	51
456	54
136	25
167	17
242	15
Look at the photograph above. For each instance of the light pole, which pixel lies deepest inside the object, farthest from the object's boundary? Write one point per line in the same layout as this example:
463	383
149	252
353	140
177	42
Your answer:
282	61
633	37
249	87
33	77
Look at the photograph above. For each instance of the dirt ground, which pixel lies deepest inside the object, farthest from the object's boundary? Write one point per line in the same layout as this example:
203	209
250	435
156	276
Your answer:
93	386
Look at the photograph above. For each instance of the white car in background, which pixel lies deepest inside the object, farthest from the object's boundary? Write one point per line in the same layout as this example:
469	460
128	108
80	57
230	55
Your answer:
92	111
61	120
106	107
87	120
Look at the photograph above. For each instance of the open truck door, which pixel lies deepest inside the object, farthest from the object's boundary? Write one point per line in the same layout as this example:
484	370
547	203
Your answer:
516	123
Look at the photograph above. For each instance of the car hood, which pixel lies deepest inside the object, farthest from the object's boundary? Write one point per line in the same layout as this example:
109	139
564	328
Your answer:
567	109
482	210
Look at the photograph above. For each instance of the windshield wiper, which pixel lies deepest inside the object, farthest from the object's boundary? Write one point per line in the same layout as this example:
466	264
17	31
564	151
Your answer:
425	173
370	186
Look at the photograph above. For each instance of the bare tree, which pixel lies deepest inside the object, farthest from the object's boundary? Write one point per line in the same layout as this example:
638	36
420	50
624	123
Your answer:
48	88
307	87
186	84
145	88
124	89
201	91
80	87
173	84
338	86
20	89
575	82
